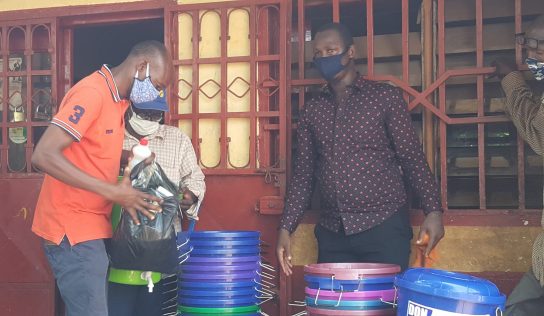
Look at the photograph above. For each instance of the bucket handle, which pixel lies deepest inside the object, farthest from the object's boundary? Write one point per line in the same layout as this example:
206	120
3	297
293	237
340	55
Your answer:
297	304
264	300
264	293
267	267
187	253
266	275
268	284
264	283
184	243
337	303
394	303
192	223
332	281
185	256
341	286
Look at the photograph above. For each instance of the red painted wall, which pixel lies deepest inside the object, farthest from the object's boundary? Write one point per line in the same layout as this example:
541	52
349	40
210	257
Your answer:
26	283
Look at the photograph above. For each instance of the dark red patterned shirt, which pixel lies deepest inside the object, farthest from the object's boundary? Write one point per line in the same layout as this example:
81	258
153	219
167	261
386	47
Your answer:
360	150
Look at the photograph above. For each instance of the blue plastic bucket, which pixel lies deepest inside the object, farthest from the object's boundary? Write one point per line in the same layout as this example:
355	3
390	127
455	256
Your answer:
423	292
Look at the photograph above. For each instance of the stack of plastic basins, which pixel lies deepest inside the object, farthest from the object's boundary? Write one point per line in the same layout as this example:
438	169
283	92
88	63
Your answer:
362	289
221	274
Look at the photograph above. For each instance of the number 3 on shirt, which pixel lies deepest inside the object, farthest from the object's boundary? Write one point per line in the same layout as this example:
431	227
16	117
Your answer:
78	113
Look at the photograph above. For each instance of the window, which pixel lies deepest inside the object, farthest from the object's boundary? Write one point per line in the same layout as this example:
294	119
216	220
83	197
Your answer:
27	92
229	95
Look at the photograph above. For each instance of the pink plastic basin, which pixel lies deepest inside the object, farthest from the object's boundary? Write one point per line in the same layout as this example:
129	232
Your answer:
352	271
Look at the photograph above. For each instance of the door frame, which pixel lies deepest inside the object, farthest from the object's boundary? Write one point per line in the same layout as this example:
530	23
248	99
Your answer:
103	14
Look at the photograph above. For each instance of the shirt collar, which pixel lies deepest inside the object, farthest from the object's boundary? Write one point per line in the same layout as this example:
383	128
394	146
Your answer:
106	73
160	133
355	86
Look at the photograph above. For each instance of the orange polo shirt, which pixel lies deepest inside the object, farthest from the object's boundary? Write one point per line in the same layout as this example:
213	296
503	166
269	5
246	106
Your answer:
92	112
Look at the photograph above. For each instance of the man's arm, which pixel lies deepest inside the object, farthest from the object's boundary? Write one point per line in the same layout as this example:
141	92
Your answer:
48	157
526	113
412	160
410	155
299	193
300	189
192	184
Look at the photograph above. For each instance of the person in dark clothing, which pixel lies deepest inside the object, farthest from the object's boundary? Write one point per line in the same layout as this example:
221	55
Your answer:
357	139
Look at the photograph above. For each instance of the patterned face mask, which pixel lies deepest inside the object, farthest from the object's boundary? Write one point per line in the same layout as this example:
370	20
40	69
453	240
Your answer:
536	67
143	90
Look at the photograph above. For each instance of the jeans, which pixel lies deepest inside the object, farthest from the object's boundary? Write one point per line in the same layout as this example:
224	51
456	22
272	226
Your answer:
80	272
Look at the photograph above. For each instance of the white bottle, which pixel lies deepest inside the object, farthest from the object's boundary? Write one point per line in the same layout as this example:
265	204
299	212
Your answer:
140	152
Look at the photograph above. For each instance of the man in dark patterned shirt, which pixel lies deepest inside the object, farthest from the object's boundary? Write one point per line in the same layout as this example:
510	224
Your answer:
357	139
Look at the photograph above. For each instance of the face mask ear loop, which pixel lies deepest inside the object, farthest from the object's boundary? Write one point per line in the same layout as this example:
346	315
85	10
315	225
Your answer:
136	75
147	71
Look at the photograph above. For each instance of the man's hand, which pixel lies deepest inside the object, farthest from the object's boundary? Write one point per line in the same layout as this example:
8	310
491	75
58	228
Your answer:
283	251
187	199
132	200
433	228
503	67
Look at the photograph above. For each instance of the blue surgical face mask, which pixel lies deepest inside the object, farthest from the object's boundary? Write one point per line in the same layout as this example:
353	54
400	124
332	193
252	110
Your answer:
536	67
143	90
330	66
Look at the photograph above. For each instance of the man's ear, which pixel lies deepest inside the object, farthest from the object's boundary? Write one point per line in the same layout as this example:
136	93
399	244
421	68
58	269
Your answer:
141	66
351	51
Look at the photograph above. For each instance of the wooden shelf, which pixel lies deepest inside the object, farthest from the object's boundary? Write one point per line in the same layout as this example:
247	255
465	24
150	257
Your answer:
465	10
458	40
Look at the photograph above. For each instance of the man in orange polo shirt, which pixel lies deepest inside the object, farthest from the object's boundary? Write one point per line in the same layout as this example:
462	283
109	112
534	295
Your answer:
80	153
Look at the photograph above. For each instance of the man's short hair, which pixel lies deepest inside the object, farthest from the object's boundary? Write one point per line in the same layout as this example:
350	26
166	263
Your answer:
148	48
341	29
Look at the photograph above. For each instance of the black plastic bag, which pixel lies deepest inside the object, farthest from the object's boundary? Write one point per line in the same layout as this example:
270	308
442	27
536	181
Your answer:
150	246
